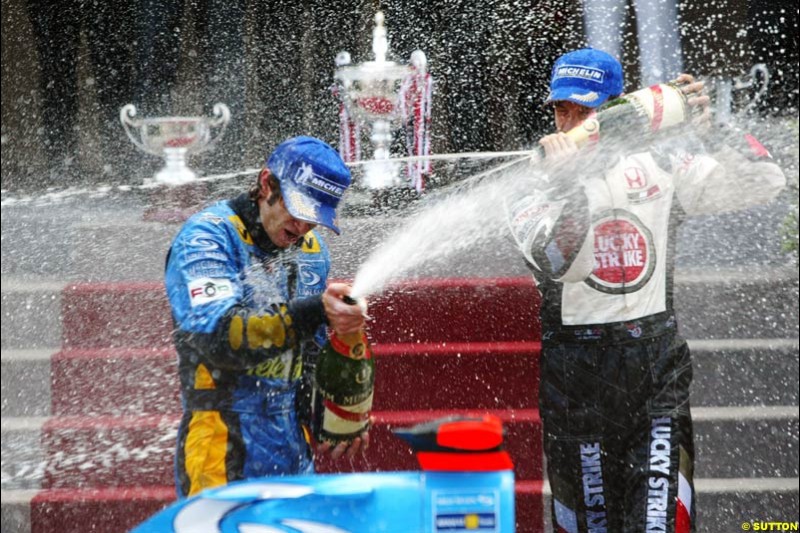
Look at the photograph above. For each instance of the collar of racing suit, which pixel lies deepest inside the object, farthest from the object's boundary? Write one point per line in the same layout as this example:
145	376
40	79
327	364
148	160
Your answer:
247	209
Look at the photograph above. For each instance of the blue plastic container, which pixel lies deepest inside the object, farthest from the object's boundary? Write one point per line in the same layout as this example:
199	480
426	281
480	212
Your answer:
479	498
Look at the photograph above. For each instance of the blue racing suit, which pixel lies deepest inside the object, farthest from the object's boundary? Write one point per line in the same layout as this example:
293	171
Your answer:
248	322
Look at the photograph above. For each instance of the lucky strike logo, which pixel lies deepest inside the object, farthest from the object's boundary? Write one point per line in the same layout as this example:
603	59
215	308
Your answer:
620	253
623	254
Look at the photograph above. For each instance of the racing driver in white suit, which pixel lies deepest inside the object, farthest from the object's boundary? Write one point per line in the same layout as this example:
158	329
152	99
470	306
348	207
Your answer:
615	374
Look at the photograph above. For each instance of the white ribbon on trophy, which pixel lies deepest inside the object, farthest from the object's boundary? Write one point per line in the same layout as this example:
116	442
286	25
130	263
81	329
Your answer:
174	138
416	95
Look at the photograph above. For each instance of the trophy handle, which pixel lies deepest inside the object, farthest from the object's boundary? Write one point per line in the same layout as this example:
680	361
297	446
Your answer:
759	72
757	79
126	115
222	116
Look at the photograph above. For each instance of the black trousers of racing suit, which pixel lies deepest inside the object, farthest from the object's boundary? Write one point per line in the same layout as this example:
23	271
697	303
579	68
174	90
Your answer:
614	400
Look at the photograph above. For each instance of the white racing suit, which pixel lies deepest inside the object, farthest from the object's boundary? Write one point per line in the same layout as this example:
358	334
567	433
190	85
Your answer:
615	375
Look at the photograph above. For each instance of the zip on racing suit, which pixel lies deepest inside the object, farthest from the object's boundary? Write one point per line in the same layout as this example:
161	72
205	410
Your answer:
615	374
249	322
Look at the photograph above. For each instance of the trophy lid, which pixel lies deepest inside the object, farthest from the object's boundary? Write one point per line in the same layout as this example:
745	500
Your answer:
380	69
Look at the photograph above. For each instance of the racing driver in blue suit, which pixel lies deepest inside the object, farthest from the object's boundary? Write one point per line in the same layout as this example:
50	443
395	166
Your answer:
247	282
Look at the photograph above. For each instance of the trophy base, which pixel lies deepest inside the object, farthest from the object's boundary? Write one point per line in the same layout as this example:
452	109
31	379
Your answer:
175	171
381	174
175	176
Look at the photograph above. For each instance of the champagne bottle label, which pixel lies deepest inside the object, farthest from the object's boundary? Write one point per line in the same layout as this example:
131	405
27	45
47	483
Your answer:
345	379
663	104
646	110
344	422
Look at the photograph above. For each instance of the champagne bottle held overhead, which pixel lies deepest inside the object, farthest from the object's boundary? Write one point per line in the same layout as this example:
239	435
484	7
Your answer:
343	389
639	113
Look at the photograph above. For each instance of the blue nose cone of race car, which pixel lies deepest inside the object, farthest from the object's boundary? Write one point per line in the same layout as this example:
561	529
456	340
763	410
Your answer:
467	484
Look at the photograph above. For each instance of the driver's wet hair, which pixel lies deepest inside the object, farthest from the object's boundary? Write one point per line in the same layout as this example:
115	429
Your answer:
274	187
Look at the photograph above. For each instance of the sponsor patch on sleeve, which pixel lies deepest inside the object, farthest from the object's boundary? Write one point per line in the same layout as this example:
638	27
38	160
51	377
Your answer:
205	290
311	244
241	229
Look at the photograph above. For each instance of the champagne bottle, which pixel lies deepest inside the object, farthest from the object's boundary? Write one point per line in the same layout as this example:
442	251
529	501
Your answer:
639	113
344	383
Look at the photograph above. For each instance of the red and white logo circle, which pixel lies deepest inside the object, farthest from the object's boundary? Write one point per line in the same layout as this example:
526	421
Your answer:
624	256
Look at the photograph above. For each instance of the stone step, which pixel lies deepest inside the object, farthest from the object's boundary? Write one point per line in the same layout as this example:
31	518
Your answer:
722	505
105	238
104	510
725	504
115	381
26	377
24	455
437	310
737	304
133	451
745	372
108	381
30	312
118	244
38	314
130	451
747	441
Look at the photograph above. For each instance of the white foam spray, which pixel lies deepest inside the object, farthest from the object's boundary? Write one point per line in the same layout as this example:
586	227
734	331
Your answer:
469	216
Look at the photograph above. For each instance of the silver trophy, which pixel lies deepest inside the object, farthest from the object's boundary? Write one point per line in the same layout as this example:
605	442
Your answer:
174	138
370	92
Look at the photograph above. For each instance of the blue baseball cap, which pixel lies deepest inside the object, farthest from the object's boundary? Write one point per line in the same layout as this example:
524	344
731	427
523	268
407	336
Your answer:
313	179
586	76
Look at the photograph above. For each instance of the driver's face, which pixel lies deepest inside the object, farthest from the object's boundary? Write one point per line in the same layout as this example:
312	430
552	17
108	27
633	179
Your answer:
569	114
282	228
